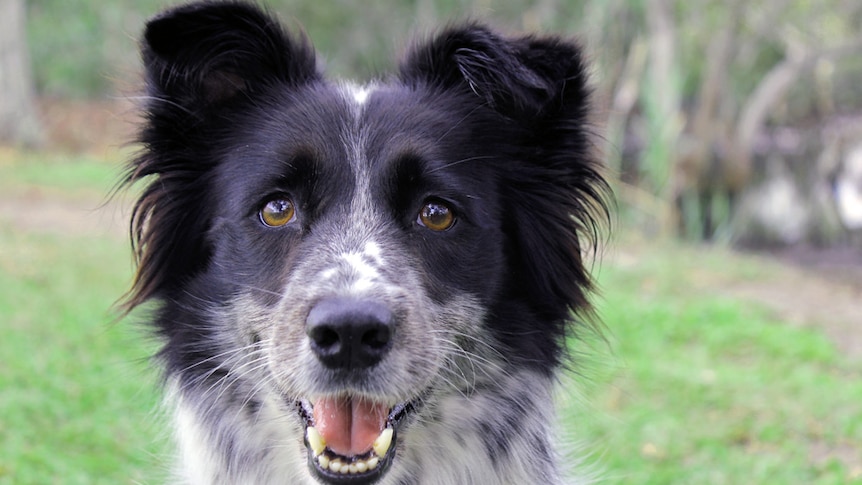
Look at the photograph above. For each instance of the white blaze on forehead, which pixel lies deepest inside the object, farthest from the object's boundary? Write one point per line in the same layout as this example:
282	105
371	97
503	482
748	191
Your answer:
359	94
355	137
358	266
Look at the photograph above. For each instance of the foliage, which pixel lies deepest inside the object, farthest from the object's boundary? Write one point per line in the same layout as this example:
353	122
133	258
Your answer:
79	48
88	49
682	85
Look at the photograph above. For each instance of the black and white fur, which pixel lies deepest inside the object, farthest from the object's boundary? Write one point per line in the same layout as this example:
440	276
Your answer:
493	129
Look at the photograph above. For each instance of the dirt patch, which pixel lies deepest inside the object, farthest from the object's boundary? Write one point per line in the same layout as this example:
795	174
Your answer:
88	126
804	287
816	287
849	454
38	212
837	264
809	300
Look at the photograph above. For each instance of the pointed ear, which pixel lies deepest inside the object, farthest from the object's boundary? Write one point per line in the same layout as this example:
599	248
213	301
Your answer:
524	77
555	196
200	59
205	53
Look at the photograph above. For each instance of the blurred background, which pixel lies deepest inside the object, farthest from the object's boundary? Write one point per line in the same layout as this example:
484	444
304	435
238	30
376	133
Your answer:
731	282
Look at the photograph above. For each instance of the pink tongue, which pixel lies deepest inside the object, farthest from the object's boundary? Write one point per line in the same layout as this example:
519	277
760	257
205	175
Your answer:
348	425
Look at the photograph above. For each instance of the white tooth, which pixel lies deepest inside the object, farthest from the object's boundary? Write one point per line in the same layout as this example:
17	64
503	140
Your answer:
335	466
361	466
372	462
382	443
323	460
315	441
353	468
345	469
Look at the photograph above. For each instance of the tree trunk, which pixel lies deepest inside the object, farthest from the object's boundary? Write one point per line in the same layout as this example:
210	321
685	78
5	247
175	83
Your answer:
19	123
663	104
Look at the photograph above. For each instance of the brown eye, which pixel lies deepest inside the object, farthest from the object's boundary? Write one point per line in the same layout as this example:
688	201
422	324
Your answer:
436	216
277	212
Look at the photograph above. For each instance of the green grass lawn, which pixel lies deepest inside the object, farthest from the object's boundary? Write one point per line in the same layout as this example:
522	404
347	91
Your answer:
77	397
694	388
703	389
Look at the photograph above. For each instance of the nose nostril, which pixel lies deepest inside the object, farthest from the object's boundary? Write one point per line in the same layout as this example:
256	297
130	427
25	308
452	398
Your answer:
376	338
324	337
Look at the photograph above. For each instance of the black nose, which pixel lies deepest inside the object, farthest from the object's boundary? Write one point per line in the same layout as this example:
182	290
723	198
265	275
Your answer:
350	333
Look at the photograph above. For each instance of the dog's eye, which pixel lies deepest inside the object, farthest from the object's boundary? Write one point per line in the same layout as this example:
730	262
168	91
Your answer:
436	216
277	212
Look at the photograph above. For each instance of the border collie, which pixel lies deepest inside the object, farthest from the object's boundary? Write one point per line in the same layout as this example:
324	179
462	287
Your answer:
370	283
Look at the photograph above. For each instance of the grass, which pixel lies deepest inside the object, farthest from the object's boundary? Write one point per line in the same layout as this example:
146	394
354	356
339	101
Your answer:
706	389
77	398
698	388
59	175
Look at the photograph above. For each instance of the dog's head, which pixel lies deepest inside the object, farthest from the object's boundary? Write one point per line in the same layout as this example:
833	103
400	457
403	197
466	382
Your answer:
354	250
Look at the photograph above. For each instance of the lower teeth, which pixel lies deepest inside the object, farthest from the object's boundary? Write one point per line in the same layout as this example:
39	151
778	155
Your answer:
336	464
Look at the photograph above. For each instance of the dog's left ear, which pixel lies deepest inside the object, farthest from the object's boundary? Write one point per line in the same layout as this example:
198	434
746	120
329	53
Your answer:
554	193
519	77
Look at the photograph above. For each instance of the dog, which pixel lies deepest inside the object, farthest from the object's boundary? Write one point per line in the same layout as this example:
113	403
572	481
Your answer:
362	283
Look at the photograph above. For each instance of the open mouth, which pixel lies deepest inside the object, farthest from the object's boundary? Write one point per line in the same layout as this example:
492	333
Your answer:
350	440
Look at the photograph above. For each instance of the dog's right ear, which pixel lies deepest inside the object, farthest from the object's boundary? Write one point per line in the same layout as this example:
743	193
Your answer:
201	60
205	53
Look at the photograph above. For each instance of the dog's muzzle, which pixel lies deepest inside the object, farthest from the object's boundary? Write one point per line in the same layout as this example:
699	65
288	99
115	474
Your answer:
350	439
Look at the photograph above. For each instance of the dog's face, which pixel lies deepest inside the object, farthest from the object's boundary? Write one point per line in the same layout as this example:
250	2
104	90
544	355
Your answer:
354	253
359	270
